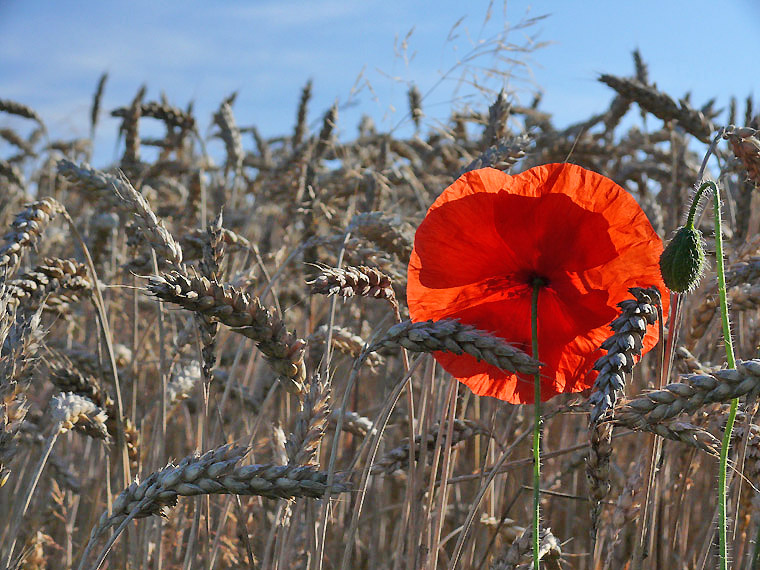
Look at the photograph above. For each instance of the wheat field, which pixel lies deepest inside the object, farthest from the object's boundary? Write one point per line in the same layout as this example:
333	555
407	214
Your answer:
207	360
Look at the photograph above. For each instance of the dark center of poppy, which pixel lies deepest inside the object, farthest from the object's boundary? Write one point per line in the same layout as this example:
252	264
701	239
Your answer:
538	281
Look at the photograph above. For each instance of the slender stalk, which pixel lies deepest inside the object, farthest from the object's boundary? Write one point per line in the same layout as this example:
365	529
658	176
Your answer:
646	525
537	284
475	503
448	424
164	412
19	516
695	204
380	424
100	306
730	360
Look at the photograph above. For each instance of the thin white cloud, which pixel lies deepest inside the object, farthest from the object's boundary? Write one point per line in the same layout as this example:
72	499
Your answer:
296	13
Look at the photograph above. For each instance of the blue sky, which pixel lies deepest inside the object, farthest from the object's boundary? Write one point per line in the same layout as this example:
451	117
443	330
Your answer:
52	53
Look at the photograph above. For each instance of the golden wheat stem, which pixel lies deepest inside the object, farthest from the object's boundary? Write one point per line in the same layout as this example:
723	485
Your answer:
475	505
100	307
381	422
445	470
27	498
111	540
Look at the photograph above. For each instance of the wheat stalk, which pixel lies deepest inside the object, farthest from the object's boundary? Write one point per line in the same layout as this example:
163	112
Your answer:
695	392
239	311
449	335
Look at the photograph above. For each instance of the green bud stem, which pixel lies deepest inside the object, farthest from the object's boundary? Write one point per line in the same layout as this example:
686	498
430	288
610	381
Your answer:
695	202
679	266
731	362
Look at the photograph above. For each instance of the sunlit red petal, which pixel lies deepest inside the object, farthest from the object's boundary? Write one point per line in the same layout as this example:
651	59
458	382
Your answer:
489	234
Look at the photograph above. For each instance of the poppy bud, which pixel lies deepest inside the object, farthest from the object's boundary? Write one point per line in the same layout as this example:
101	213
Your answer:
683	261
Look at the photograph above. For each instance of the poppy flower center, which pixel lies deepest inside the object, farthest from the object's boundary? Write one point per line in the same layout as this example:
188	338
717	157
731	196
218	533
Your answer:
538	281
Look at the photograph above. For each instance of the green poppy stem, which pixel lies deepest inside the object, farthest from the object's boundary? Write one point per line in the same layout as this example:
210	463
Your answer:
537	284
731	362
695	203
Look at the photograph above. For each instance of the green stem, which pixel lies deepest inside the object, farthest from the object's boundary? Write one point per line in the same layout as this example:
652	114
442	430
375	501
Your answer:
695	204
537	284
722	529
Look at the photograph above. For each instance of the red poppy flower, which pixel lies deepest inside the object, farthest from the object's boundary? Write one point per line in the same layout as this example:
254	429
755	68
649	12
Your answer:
489	235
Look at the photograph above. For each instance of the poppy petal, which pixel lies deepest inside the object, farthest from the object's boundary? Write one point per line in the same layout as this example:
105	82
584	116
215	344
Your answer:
489	235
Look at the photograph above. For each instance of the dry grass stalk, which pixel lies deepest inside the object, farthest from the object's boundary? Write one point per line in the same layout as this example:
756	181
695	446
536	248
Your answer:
745	143
714	416
311	423
20	110
97	99
303	108
68	379
353	422
11	137
183	380
623	348
215	472
517	555
687	363
415	105
193	243
598	469
13	409
239	311
361	281
744	271
617	110
72	411
171	116
210	266
213	250
744	297
20	337
741	277
265	152
397	459
452	336
693	393
54	275
752	457
642	69
662	105
26	230
385	231
250	401
701	317
130	126
324	140
503	155
156	233
346	342
230	134
497	127
673	430
12	173
626	510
